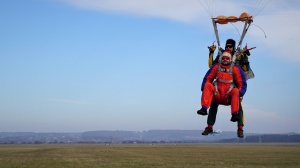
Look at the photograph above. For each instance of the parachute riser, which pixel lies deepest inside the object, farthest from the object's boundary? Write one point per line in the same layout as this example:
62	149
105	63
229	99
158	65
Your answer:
246	27
217	34
238	49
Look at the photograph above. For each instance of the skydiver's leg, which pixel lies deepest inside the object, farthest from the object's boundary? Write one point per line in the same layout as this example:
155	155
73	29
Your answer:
207	95
212	114
206	99
241	114
240	131
235	100
211	119
235	103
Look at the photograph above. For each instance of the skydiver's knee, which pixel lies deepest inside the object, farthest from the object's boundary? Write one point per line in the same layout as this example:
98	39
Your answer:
234	91
209	86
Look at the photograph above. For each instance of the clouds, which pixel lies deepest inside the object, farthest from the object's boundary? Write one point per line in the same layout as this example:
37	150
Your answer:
177	10
281	30
276	18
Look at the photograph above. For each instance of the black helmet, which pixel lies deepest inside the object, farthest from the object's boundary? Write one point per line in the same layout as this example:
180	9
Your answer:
230	41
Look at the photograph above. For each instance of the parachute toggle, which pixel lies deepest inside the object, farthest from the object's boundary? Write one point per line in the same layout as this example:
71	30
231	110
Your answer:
221	19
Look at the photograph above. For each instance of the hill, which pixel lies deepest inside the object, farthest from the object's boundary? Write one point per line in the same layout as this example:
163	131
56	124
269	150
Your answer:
150	136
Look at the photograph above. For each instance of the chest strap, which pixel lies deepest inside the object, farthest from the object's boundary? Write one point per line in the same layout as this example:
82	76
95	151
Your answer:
229	70
224	81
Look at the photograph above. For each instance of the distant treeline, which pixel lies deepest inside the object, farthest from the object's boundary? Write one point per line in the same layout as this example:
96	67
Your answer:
146	137
267	138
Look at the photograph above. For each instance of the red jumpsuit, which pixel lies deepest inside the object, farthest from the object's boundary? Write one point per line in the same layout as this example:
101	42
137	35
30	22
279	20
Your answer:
222	94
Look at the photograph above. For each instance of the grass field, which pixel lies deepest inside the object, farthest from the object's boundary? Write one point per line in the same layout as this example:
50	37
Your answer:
157	155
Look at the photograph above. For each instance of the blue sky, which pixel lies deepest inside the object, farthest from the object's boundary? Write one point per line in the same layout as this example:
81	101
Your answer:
84	65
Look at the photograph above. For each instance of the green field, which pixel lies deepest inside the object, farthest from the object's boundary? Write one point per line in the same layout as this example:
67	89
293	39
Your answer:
157	155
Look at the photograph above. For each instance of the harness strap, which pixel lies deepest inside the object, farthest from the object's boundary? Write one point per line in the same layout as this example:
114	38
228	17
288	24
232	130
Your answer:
225	70
215	83
231	87
216	86
225	81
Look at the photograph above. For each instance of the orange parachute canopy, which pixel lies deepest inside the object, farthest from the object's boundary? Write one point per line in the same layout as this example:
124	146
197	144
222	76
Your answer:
225	19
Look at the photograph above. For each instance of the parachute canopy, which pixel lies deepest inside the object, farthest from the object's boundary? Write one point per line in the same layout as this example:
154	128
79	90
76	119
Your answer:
253	7
221	19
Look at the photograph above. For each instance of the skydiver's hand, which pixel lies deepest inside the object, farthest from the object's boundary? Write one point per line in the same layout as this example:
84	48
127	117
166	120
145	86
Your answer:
212	48
247	52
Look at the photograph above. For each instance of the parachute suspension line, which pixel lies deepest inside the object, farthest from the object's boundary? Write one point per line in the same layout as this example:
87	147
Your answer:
256	6
246	27
260	29
264	5
236	29
208	6
213	5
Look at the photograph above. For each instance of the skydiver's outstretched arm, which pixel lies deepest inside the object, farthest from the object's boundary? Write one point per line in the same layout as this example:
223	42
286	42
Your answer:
211	55
243	58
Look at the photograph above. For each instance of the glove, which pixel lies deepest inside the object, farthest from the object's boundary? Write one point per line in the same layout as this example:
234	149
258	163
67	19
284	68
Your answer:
212	48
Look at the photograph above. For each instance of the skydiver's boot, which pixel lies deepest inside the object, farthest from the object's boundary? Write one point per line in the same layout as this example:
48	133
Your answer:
240	133
202	111
207	130
235	117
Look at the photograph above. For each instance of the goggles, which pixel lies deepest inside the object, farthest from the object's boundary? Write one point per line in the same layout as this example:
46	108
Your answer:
225	58
229	46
